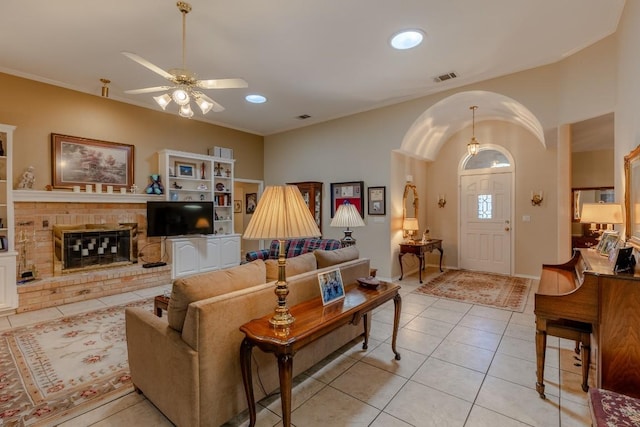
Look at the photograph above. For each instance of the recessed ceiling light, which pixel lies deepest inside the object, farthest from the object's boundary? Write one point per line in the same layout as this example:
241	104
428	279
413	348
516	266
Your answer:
407	39
255	99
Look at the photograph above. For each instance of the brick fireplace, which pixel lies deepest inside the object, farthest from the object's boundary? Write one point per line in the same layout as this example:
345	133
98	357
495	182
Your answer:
34	229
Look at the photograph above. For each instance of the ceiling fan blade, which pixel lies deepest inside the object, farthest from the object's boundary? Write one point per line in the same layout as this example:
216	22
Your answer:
148	65
217	108
147	90
222	84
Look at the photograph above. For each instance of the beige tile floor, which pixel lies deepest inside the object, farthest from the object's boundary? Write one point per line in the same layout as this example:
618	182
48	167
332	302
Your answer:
462	365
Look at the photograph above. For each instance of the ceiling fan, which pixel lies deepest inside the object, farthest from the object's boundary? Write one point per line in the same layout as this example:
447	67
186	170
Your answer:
185	86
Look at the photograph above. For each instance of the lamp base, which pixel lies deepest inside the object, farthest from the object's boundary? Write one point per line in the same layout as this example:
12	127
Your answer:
347	240
282	317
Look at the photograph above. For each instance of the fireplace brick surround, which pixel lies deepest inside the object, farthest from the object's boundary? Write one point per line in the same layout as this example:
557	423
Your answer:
35	220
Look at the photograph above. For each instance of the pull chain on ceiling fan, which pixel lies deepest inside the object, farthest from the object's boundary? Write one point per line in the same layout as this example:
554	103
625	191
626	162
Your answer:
185	84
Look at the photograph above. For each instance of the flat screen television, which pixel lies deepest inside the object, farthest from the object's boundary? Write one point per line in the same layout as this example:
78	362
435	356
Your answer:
179	218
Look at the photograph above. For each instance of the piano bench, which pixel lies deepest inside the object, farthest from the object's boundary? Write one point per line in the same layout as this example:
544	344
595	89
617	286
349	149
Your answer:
579	332
609	408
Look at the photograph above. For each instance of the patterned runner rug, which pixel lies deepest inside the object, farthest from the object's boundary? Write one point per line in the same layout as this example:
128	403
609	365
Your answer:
56	370
493	290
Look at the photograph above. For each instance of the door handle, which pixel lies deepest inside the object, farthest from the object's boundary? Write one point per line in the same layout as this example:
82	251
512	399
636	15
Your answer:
507	229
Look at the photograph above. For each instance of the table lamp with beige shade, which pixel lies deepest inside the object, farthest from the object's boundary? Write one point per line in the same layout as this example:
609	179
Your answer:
347	216
601	213
281	214
410	227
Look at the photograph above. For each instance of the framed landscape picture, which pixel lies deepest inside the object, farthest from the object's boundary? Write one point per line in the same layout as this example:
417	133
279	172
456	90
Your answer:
185	170
81	161
353	192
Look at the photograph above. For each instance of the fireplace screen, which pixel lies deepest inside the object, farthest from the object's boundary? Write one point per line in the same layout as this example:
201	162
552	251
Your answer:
93	246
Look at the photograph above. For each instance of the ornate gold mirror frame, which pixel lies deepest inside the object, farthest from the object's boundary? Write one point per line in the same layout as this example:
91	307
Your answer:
632	197
409	202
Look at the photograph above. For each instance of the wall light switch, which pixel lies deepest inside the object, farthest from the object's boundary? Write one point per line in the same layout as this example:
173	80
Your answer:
526	218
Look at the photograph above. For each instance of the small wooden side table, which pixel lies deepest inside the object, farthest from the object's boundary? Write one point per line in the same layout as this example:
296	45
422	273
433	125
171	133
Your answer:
313	320
160	303
419	249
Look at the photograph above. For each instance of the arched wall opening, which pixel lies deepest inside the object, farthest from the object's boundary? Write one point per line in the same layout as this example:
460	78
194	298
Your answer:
437	141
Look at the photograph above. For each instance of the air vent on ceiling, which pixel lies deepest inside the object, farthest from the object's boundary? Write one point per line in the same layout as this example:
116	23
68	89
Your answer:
445	77
303	116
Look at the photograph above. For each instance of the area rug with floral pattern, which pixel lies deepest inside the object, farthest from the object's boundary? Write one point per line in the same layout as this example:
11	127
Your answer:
56	370
493	290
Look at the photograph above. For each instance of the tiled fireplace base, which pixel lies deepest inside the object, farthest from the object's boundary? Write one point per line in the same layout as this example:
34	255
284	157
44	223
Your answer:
54	291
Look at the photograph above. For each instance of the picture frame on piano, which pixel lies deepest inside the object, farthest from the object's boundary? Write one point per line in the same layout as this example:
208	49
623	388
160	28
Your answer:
608	242
623	260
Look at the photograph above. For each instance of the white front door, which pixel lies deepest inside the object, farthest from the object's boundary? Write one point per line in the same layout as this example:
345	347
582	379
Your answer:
485	211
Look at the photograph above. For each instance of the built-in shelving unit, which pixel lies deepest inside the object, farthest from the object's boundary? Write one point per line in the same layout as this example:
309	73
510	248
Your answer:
8	255
190	176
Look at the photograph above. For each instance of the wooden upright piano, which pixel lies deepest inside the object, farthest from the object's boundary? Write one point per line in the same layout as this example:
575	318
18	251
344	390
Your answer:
585	289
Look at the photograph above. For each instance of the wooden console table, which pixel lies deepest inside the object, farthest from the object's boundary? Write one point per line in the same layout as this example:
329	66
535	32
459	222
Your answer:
419	249
313	321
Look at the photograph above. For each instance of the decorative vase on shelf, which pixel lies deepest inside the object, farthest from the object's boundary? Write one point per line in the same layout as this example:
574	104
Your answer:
155	187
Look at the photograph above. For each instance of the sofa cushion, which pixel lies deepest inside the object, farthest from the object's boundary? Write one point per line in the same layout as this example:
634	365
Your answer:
296	265
329	258
206	285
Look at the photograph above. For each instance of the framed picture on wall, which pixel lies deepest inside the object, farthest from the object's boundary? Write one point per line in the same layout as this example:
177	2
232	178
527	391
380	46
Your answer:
237	206
251	202
353	192
377	200
80	161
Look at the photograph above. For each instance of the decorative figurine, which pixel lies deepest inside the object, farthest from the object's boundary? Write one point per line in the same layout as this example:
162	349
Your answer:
202	169
134	189
218	168
156	186
425	236
228	172
176	186
28	179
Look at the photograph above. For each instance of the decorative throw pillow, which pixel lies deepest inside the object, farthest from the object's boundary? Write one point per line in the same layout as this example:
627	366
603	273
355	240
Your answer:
206	285
329	258
296	265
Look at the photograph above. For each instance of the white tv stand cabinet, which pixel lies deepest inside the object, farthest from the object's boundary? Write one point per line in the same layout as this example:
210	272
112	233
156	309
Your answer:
196	254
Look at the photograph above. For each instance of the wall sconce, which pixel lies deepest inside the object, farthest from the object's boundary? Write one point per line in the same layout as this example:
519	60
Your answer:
536	198
442	200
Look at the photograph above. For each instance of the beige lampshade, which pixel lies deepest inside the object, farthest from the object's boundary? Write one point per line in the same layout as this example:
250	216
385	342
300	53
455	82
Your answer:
281	214
347	216
601	213
410	224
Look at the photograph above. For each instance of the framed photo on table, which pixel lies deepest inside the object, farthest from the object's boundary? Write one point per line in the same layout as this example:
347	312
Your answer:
377	200
608	242
353	192
82	161
331	286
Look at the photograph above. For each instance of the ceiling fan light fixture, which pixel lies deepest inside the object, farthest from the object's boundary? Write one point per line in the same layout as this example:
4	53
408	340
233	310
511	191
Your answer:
163	100
186	111
204	105
180	96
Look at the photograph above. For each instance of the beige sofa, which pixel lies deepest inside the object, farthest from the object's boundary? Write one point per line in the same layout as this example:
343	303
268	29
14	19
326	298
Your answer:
187	363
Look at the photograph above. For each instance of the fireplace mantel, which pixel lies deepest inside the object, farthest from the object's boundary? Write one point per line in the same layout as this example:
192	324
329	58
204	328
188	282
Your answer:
63	196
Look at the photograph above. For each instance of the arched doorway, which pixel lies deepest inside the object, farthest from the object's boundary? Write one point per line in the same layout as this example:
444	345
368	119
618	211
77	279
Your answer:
486	206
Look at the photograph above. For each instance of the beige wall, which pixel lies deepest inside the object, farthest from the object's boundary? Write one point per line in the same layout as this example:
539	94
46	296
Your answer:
627	125
593	169
39	109
360	147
